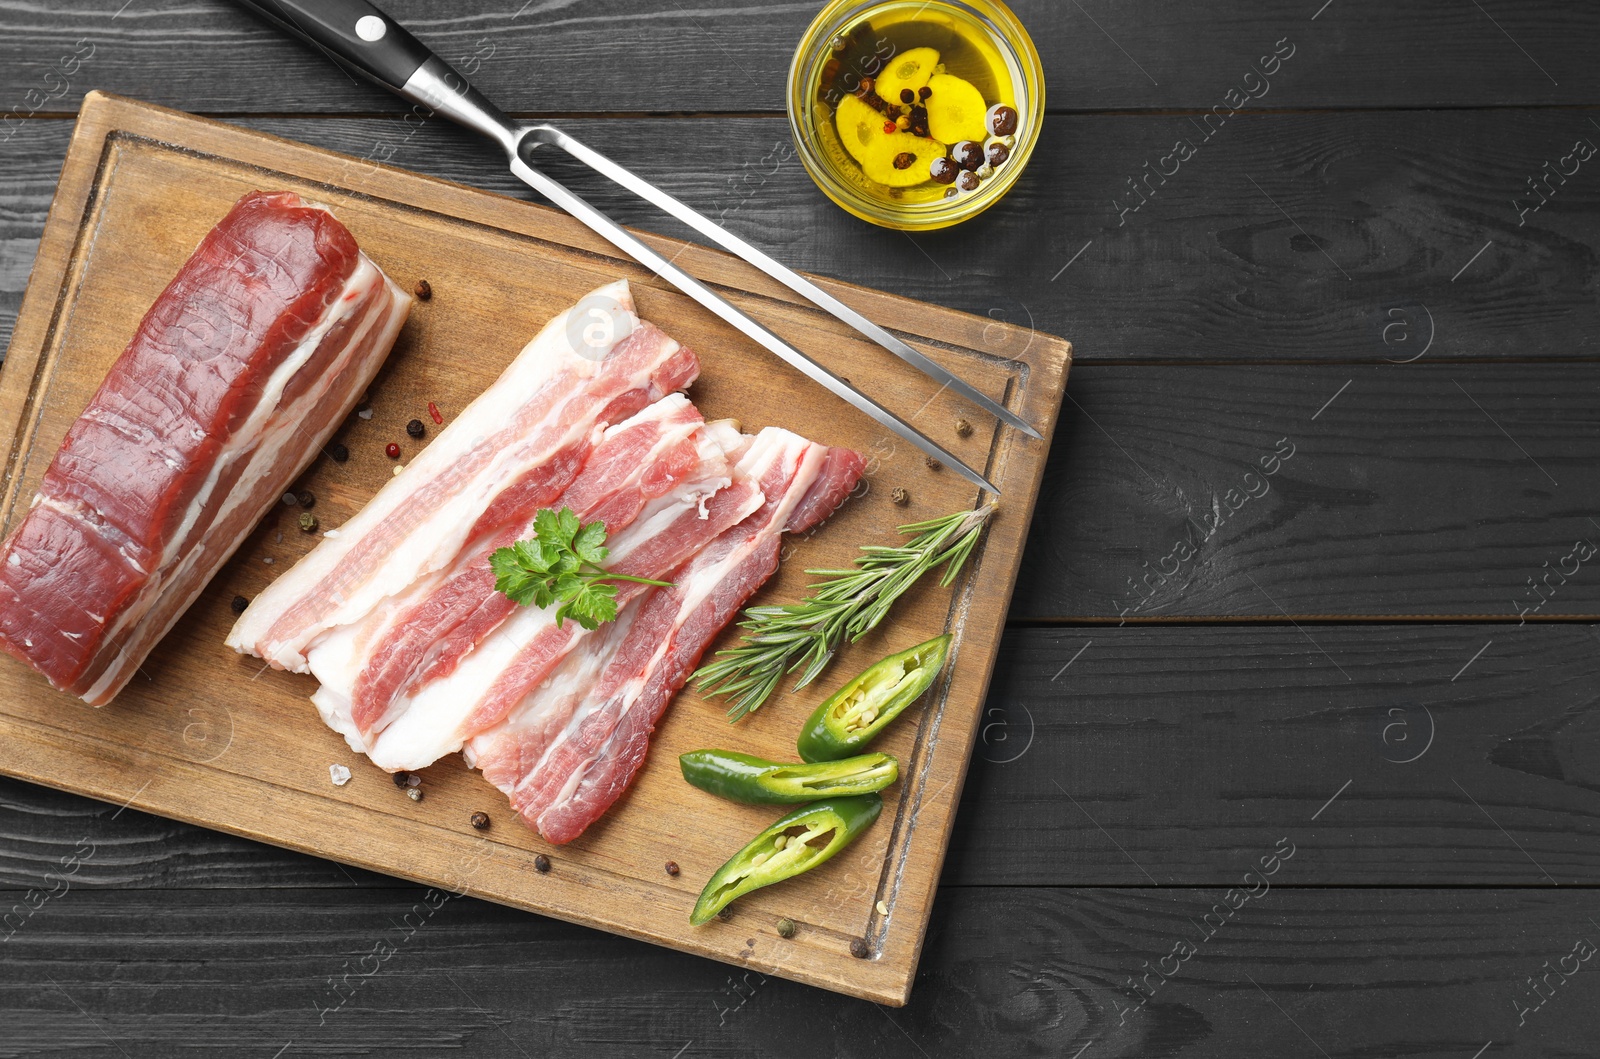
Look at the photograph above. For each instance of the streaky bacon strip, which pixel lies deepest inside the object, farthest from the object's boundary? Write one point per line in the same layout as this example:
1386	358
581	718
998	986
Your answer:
516	447
238	373
432	625
560	777
668	529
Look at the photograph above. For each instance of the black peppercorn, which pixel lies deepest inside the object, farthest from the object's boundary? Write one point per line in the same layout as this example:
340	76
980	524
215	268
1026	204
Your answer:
239	603
480	821
924	92
541	863
305	498
858	948
672	867
1002	120
401	779
907	96
415	428
338	452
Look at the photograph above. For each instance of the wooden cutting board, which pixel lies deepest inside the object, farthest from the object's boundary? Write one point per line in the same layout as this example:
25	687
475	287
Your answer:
208	737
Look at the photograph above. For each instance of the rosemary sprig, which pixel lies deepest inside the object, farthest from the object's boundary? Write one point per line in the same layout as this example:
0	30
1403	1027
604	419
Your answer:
845	607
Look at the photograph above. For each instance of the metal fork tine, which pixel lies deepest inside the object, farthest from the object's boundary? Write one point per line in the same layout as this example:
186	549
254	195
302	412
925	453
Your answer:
629	244
782	273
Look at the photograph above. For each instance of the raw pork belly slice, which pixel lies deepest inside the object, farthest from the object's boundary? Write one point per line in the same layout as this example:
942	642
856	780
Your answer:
237	375
512	451
662	475
572	747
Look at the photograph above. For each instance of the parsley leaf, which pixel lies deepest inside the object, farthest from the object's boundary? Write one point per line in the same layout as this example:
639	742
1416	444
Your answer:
561	564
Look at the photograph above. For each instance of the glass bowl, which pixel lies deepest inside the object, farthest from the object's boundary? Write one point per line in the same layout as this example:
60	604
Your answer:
985	29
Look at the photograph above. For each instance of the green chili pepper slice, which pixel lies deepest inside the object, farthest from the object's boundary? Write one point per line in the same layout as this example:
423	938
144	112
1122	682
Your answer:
756	781
861	709
795	844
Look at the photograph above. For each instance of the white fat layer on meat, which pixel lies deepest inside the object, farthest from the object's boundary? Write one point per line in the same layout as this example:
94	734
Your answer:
434	537
430	724
771	446
262	441
567	684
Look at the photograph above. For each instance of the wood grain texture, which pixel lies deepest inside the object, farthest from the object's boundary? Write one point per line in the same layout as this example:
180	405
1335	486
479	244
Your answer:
560	56
1008	971
1409	490
213	736
1351	237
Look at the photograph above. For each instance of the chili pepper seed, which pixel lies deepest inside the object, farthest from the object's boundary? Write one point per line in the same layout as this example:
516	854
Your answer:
415	428
786	928
392	451
480	821
239	604
672	868
423	290
541	864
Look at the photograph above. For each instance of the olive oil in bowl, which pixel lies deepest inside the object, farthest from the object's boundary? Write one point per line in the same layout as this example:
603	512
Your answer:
915	113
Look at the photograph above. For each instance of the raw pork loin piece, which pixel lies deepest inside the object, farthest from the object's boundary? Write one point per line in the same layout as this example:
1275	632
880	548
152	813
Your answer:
235	378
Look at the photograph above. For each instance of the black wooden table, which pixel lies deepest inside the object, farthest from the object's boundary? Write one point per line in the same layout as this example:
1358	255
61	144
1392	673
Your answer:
1294	749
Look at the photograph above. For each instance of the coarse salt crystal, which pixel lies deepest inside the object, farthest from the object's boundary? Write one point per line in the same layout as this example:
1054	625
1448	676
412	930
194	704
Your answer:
365	413
339	775
267	560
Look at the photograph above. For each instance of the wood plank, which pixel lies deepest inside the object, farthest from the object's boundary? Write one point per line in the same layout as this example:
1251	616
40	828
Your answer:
1402	203
561	58
1418	489
1393	755
1186	745
141	187
1009	971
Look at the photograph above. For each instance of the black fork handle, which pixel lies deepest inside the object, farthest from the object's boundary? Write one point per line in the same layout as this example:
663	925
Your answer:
354	32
